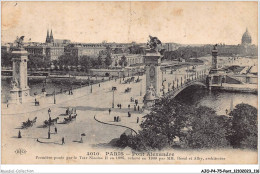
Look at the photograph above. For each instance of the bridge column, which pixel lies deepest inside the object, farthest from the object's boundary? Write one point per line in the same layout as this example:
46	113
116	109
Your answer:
154	80
177	83
20	89
173	85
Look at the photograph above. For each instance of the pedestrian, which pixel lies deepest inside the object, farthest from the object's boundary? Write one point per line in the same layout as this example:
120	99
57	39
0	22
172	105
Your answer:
7	103
62	141
120	106
137	121
114	118
134	108
109	110
49	111
19	134
117	118
138	108
56	130
128	106
129	115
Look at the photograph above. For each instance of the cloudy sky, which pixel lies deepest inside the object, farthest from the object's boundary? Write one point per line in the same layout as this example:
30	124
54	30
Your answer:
179	22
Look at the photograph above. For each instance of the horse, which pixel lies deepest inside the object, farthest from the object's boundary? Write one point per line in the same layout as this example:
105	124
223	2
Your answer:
55	120
34	120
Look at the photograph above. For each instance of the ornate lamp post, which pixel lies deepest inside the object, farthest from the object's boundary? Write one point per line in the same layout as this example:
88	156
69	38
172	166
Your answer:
49	131
113	99
54	96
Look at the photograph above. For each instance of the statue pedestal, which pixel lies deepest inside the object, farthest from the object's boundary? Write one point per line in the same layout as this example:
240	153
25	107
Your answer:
14	97
19	96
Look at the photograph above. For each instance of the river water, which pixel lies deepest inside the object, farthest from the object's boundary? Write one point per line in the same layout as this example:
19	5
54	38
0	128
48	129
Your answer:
217	100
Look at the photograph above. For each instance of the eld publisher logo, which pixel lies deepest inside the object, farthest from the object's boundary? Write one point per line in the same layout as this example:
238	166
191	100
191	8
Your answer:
20	151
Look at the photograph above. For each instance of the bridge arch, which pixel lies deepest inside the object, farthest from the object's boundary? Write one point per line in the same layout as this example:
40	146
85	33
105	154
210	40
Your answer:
176	91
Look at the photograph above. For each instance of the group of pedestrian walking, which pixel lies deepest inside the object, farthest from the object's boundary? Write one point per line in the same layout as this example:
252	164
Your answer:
119	106
117	119
70	92
136	108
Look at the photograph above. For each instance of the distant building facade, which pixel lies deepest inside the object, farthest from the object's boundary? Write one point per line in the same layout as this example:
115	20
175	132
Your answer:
78	50
131	59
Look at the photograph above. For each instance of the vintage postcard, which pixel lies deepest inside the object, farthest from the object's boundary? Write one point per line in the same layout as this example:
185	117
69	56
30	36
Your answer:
129	82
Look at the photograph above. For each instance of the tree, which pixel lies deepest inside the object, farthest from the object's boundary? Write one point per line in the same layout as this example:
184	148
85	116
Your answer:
86	62
99	62
244	126
173	123
36	61
206	130
162	125
6	59
108	60
122	61
147	140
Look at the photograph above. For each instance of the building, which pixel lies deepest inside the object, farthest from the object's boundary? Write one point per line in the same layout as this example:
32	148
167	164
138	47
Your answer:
246	38
131	59
52	48
49	39
79	49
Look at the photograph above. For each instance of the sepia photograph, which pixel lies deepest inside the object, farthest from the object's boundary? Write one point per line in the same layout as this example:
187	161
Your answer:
129	82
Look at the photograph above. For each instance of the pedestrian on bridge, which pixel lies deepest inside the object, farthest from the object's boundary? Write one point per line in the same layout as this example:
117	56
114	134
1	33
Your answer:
129	106
109	110
138	108
137	120
55	129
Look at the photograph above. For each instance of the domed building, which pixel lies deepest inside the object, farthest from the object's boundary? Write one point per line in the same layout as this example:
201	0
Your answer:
246	38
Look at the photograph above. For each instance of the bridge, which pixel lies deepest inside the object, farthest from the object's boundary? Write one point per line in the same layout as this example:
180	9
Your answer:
197	78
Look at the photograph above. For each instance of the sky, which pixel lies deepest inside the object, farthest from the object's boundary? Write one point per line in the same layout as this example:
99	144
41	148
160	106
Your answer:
93	22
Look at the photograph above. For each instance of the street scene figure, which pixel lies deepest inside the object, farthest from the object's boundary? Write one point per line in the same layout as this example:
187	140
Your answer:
62	141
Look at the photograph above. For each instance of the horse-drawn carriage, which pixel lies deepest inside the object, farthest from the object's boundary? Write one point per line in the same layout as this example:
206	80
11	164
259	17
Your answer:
127	90
50	121
29	123
70	118
114	88
138	80
37	103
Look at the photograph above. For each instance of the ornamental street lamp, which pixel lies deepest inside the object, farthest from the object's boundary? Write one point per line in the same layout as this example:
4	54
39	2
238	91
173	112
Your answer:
54	95
49	131
113	99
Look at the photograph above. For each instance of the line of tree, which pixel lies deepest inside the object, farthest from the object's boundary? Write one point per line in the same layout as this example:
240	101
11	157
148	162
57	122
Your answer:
188	52
171	123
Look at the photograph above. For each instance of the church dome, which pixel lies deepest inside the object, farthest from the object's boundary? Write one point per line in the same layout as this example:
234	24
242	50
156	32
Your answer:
246	38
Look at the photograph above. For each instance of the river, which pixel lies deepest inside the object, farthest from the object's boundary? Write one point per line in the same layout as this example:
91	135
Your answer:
217	100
